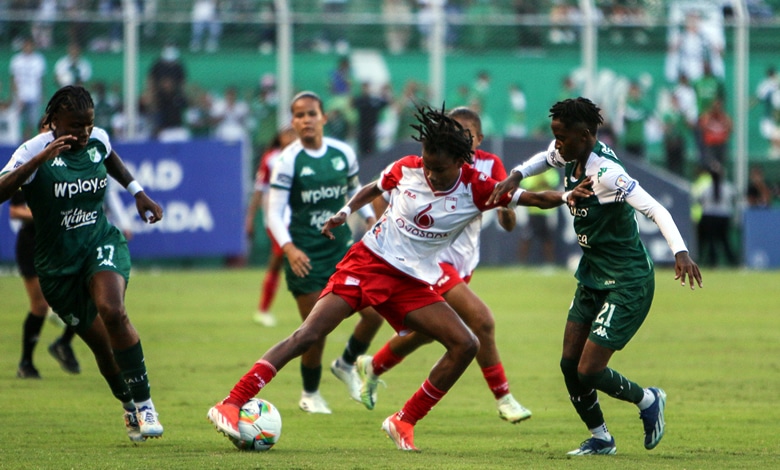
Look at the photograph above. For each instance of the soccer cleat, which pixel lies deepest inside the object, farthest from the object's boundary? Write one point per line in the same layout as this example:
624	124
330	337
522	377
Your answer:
368	381
653	419
63	354
511	410
314	403
401	432
595	446
148	423
266	319
133	429
224	416
350	378
27	371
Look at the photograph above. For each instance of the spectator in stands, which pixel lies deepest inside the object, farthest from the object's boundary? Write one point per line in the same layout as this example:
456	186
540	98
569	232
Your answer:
368	106
517	122
715	126
693	48
10	133
676	128
72	68
758	193
332	35
28	68
398	31
198	113
205	19
765	92
634	113
229	116
107	104
165	96
43	26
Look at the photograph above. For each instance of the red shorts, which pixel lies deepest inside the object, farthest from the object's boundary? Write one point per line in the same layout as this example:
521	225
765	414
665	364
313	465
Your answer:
363	279
275	248
449	279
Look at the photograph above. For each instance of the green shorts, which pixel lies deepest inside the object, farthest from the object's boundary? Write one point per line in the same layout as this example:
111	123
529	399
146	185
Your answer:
69	295
614	316
323	265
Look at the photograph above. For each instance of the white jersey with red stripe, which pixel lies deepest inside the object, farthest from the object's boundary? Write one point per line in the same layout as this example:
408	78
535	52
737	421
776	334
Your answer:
463	254
420	222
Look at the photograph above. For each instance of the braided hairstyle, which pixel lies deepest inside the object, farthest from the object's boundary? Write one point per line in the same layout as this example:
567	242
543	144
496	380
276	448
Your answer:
578	111
440	133
72	98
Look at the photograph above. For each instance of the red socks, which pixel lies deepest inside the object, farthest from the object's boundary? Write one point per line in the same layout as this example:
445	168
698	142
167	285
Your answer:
270	284
384	360
251	383
496	380
421	403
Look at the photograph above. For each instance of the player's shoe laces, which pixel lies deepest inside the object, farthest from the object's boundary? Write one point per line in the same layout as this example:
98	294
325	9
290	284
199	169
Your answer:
653	419
224	417
511	410
133	429
347	374
27	371
594	446
267	319
148	423
368	381
63	354
401	432
314	403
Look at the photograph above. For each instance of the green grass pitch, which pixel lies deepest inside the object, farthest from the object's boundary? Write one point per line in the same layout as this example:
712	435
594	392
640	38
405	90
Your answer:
715	351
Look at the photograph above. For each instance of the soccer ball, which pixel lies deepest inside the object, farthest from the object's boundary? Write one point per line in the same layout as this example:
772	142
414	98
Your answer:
259	424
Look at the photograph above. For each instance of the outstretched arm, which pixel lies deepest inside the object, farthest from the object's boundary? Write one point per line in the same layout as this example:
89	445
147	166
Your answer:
366	194
14	179
148	210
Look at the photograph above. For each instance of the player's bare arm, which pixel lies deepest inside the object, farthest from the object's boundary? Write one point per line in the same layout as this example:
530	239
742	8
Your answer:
507	218
365	195
684	267
148	210
13	180
509	185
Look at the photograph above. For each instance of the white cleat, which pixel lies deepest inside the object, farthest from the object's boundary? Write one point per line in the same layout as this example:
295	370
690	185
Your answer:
148	423
267	319
314	403
511	410
349	376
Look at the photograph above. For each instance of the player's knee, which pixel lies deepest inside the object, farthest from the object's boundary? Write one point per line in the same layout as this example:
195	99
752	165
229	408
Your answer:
485	328
113	315
303	338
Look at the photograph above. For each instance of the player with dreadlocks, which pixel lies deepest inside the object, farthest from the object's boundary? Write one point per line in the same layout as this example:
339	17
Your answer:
394	267
81	259
615	276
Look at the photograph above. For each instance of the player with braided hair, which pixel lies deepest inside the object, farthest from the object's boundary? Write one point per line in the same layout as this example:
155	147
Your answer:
394	267
616	279
81	259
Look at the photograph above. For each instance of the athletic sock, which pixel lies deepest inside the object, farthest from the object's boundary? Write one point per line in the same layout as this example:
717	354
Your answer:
585	400
31	331
251	383
131	363
496	380
120	390
67	335
385	359
421	403
648	398
601	432
270	285
352	350
311	377
614	384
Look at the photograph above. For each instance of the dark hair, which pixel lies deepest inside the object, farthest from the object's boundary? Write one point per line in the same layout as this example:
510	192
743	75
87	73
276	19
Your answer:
307	94
440	133
578	111
72	98
467	114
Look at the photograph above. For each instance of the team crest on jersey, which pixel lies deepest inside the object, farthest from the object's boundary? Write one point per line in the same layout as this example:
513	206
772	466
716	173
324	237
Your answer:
94	155
58	162
450	204
338	164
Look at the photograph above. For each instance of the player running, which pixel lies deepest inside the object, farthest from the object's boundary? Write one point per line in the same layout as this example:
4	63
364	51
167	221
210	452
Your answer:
616	279
394	267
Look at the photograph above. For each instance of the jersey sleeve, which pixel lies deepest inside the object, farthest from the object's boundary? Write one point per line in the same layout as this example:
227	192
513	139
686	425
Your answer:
284	168
482	187
392	175
101	135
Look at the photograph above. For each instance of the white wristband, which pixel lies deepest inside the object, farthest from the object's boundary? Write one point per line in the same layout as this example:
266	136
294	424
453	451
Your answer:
134	187
565	196
346	210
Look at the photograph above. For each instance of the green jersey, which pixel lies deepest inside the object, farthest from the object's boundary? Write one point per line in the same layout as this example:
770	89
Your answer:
65	195
318	183
613	256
